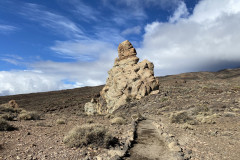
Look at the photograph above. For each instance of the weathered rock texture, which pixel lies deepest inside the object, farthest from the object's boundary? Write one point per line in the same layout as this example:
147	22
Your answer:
127	80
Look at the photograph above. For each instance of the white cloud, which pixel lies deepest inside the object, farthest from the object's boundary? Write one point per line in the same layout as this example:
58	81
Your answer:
17	82
83	11
7	28
148	3
207	40
83	50
208	10
181	12
133	30
49	75
10	58
56	22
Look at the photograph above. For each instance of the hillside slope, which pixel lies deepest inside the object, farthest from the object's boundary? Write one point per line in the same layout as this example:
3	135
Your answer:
198	112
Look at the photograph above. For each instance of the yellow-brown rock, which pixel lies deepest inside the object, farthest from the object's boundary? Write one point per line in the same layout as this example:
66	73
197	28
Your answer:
128	80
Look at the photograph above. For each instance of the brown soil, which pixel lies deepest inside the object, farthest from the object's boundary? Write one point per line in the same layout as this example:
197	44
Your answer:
149	144
211	131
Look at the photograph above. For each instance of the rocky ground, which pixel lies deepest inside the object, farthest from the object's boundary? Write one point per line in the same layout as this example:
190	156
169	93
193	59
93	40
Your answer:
194	116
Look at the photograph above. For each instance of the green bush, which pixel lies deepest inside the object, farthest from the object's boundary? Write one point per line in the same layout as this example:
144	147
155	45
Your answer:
89	135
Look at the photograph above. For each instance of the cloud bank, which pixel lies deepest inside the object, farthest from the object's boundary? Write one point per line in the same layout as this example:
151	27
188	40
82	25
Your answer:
206	40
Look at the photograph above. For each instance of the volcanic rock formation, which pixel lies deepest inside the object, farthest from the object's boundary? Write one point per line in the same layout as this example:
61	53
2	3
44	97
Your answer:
128	80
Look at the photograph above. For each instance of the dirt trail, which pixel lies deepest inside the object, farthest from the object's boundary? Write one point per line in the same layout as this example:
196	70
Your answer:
149	145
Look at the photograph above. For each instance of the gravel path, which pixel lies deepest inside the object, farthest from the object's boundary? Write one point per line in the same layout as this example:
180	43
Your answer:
149	145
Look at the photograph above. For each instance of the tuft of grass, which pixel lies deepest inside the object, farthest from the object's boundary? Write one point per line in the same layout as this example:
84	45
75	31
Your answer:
5	126
229	114
61	121
164	99
207	119
187	126
8	116
180	117
200	110
89	135
6	108
118	120
25	115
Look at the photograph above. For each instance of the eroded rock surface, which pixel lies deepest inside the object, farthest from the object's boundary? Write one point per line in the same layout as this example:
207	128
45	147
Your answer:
127	80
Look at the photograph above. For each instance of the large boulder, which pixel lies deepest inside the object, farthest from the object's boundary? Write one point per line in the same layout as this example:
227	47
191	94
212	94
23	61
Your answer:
128	80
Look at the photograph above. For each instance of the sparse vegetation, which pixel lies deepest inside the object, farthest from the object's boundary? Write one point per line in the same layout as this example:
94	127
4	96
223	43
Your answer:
61	121
137	117
4	108
89	135
200	110
7	116
5	126
118	120
229	114
180	117
187	126
212	90
210	119
164	99
25	115
8	113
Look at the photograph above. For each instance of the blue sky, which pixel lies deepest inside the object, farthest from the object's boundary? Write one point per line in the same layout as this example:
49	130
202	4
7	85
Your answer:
57	44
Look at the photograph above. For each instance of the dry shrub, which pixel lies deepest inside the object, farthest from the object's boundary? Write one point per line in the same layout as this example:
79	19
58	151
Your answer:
25	115
5	126
180	117
207	119
137	117
61	121
89	135
229	114
118	120
8	116
187	126
6	108
200	110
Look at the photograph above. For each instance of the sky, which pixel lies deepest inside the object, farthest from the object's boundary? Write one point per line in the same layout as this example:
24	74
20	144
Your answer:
53	45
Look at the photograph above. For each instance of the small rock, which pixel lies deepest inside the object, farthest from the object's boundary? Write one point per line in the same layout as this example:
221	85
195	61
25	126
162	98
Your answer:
173	146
